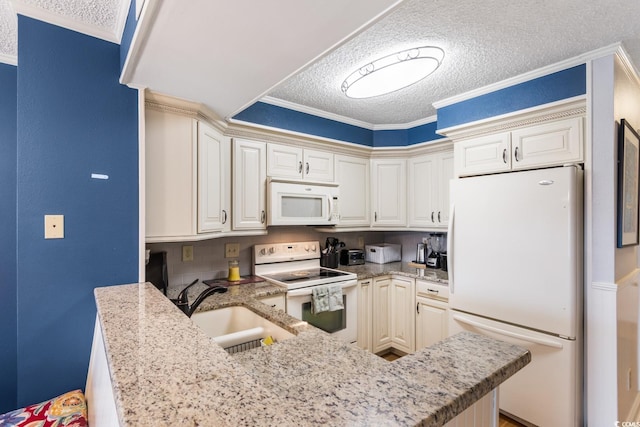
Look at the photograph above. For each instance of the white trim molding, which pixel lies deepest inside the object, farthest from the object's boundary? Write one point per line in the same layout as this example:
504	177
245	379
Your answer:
9	59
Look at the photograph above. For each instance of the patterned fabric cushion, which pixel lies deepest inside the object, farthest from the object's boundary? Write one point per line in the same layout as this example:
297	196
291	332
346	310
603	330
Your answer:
69	409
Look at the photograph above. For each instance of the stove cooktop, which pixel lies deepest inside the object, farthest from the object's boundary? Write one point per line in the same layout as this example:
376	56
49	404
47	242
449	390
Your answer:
308	277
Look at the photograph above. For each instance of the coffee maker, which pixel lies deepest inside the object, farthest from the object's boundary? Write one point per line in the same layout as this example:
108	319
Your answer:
437	245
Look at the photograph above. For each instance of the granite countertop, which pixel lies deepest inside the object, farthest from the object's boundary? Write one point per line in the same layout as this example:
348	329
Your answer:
166	372
369	270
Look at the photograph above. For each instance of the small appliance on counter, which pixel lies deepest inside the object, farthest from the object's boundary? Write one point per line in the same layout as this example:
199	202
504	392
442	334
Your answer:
156	270
421	251
352	257
437	244
383	253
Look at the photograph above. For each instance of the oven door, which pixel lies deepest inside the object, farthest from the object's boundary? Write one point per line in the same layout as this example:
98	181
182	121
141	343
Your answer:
342	324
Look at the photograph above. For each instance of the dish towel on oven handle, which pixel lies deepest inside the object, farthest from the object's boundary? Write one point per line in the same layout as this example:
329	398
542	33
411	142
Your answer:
326	298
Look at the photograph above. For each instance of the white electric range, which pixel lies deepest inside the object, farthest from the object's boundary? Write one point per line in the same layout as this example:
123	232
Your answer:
296	267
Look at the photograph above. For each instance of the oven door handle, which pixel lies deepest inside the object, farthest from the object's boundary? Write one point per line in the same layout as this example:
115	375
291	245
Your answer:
307	291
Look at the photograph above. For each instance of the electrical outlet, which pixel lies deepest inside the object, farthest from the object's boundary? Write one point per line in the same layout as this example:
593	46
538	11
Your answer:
361	242
232	250
187	253
54	226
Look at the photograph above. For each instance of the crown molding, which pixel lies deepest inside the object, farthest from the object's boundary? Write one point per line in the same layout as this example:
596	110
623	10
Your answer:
121	20
40	14
343	119
9	59
627	64
522	78
571	107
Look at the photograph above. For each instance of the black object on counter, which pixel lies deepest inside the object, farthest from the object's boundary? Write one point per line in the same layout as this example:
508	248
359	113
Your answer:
156	270
329	260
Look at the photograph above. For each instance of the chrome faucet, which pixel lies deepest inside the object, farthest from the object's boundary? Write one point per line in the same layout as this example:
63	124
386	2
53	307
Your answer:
182	302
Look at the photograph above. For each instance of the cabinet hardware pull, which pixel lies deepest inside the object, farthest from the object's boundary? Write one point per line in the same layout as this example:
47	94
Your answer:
439	217
263	217
306	170
300	166
504	156
418	308
224	221
375	217
432	220
516	155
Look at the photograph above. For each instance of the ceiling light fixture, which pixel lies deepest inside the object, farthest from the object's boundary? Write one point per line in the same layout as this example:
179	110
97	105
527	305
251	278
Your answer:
393	72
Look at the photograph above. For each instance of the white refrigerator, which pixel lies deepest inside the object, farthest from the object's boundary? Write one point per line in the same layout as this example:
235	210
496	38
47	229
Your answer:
515	274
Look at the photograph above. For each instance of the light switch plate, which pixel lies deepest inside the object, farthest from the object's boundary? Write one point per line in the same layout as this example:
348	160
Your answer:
54	226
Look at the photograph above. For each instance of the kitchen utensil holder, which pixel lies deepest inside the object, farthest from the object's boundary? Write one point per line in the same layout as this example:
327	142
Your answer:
330	260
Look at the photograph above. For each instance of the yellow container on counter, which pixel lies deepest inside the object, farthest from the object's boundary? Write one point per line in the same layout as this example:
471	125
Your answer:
234	271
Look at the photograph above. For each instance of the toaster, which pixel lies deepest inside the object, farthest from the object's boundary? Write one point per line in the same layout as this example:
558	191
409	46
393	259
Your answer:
351	257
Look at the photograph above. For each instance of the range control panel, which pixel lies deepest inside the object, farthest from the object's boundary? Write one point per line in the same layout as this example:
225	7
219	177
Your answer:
281	252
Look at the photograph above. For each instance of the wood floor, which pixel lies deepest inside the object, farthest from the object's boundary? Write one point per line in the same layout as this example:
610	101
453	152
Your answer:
503	422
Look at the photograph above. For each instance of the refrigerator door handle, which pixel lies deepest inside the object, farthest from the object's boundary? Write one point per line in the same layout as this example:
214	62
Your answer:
515	335
452	217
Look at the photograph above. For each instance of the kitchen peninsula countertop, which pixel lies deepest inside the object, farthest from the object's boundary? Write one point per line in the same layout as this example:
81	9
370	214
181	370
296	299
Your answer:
166	372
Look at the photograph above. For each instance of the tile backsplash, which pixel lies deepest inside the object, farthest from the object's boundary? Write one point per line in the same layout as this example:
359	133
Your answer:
209	261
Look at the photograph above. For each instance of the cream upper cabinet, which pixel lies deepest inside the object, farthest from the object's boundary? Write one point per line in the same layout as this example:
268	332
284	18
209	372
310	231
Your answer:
187	179
428	189
389	192
249	185
352	175
214	196
547	144
286	161
402	315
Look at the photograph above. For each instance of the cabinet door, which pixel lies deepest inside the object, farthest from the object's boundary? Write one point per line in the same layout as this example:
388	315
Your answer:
352	174
213	180
445	174
381	314
548	144
485	154
170	176
389	194
402	317
318	165
284	161
365	301
431	322
423	191
249	185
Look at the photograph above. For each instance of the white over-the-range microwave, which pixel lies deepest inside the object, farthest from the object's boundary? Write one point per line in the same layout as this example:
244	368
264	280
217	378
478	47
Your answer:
295	202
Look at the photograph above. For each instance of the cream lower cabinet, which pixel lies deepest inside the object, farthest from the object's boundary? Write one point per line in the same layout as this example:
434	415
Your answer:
392	312
432	312
381	314
249	185
365	319
431	322
352	174
402	317
428	189
187	178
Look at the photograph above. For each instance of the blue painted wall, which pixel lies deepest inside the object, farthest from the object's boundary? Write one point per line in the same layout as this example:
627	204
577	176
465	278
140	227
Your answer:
542	90
74	118
8	324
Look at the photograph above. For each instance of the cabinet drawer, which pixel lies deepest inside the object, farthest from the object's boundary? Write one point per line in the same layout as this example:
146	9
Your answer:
432	290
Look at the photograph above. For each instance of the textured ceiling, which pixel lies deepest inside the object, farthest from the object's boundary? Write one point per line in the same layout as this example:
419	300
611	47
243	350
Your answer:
485	41
106	16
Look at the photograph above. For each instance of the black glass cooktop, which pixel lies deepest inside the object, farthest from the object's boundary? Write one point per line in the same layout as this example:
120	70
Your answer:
304	275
